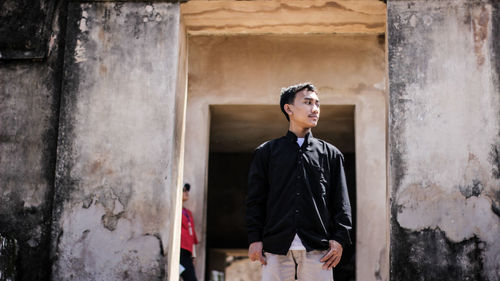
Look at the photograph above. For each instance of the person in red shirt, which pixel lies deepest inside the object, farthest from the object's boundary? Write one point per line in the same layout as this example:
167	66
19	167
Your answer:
188	239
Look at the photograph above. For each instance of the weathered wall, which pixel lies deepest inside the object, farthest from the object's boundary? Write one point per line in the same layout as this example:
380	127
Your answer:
444	129
118	152
29	111
347	70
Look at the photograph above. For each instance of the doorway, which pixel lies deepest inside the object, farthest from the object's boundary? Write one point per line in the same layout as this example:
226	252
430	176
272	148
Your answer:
232	77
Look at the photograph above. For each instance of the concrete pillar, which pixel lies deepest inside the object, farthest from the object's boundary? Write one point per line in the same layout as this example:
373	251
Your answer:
196	173
372	257
119	162
444	139
29	112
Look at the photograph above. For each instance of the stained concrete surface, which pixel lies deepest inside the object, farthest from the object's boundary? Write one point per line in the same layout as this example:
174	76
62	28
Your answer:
443	136
28	140
116	174
29	112
444	131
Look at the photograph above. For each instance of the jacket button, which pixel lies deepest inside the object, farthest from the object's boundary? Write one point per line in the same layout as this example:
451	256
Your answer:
296	211
298	193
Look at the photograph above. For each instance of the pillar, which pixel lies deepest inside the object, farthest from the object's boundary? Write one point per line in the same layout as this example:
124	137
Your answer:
119	158
444	143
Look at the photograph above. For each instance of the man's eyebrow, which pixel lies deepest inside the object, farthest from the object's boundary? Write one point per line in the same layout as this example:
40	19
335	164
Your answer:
306	98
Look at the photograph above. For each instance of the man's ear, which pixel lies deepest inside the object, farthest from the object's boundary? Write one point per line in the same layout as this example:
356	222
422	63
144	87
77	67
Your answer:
288	109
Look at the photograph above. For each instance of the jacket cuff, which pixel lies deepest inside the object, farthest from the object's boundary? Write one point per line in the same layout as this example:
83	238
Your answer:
254	237
343	236
341	242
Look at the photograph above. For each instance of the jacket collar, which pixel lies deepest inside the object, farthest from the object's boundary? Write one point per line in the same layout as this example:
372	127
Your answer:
307	138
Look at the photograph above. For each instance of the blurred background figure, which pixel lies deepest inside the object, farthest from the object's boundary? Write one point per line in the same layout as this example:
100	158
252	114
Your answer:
188	239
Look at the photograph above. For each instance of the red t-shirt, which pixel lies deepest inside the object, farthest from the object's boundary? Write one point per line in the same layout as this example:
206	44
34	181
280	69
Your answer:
188	235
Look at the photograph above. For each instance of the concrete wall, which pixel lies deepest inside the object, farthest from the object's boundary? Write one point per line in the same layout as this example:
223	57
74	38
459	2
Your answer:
120	137
444	129
29	111
120	134
252	69
122	91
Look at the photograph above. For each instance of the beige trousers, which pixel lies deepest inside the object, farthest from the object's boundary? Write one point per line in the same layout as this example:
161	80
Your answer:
282	268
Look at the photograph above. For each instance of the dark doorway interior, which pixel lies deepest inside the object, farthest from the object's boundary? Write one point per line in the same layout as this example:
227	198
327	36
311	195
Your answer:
226	197
233	137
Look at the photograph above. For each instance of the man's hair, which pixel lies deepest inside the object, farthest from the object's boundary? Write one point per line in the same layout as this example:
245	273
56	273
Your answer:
187	186
288	95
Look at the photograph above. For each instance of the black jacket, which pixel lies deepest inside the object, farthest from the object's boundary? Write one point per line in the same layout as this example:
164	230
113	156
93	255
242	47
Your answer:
282	182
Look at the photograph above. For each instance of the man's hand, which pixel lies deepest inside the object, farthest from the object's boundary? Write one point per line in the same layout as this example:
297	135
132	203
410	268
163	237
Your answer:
332	258
255	253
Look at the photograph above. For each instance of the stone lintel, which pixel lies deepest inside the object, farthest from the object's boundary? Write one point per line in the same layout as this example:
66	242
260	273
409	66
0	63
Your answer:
283	17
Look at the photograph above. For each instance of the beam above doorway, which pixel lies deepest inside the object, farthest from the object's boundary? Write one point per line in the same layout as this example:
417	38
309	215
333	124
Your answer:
283	17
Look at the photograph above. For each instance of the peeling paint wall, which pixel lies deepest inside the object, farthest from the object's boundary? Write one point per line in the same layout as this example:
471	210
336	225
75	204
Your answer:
444	138
117	157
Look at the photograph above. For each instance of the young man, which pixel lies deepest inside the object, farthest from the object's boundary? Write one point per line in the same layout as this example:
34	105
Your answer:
188	239
298	211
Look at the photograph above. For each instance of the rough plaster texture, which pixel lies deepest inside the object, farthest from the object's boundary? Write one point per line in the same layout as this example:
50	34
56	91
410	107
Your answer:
117	159
444	139
29	111
284	17
28	139
252	69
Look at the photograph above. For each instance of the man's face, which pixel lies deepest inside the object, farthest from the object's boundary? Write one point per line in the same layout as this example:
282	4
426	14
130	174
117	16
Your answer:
185	195
304	111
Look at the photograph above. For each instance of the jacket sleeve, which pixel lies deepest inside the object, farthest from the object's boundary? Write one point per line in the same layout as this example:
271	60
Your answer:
256	200
340	207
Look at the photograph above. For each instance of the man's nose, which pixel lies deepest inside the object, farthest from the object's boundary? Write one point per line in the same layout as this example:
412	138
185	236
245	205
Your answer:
315	108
